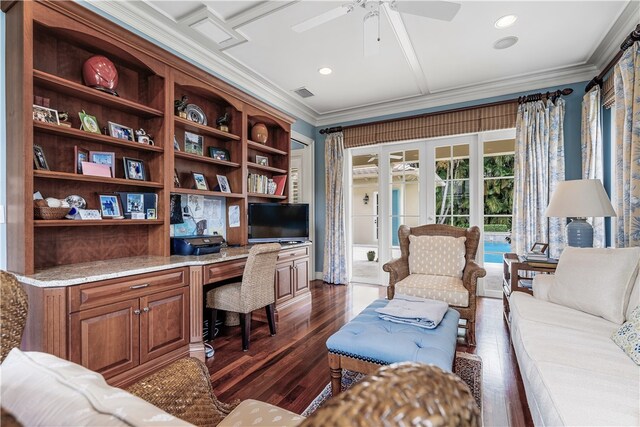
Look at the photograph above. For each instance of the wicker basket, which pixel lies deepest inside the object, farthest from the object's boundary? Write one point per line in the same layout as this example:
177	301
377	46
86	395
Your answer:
50	213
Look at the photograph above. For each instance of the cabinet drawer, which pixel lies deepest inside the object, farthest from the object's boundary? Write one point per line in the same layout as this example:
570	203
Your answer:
98	293
223	270
286	255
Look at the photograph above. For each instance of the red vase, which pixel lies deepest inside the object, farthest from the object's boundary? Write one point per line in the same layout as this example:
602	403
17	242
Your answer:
259	133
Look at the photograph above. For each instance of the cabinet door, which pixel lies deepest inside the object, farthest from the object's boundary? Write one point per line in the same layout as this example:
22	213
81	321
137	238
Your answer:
284	282
164	323
301	274
106	339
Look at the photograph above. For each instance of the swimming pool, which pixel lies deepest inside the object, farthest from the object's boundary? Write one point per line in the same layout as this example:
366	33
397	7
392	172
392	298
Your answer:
493	250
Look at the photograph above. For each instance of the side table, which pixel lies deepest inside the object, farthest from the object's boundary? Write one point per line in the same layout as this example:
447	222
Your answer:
518	276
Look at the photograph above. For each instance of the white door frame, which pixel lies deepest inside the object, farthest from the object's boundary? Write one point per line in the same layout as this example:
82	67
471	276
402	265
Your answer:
308	191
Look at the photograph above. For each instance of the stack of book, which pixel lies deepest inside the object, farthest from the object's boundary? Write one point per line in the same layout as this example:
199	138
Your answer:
258	183
539	260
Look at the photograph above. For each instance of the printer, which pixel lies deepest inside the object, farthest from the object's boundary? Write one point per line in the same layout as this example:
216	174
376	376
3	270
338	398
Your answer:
196	245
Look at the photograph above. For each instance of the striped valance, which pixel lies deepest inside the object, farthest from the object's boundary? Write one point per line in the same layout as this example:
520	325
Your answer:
482	118
608	94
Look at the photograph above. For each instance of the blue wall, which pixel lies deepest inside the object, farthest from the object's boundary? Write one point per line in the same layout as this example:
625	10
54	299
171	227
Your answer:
572	128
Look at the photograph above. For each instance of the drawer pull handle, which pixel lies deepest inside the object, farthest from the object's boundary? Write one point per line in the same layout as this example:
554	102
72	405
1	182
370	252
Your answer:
146	309
144	285
136	312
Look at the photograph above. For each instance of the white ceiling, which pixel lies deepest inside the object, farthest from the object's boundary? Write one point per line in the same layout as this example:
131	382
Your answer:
251	43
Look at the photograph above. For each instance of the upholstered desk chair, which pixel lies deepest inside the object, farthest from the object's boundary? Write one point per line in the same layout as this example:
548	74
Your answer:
450	276
256	290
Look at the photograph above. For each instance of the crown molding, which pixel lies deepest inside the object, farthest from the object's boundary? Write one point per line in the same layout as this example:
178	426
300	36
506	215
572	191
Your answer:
610	44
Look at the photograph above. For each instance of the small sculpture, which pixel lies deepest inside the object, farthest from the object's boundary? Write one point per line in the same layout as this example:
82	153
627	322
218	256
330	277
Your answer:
64	118
181	106
223	122
100	73
260	133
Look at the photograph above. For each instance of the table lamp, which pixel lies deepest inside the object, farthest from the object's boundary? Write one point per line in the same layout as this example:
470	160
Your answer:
580	199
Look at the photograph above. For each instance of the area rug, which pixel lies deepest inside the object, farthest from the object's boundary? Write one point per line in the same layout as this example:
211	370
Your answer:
467	366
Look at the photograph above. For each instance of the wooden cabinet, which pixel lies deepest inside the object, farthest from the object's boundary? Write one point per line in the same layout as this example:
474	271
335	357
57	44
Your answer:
110	335
292	275
284	282
301	275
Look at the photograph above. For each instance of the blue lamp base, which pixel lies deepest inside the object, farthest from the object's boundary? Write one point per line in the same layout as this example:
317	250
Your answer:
580	233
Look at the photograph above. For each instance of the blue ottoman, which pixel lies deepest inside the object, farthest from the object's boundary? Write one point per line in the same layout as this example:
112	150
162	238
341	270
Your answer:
367	342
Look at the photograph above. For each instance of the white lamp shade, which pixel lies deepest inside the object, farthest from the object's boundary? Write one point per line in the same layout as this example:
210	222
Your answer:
582	198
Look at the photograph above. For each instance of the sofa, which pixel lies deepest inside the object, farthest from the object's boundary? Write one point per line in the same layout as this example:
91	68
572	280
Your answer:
573	372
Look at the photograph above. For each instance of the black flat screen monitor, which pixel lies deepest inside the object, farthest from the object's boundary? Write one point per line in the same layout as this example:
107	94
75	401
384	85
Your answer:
278	222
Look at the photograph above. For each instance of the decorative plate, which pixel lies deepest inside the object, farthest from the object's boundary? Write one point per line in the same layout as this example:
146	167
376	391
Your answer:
76	201
195	114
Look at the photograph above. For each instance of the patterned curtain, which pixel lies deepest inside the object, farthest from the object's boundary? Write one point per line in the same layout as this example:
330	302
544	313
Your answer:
592	163
335	243
627	145
539	166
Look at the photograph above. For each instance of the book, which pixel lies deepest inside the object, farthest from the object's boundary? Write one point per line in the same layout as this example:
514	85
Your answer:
548	263
280	181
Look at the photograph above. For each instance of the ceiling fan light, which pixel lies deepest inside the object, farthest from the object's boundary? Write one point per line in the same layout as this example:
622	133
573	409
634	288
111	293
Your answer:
505	21
505	42
325	71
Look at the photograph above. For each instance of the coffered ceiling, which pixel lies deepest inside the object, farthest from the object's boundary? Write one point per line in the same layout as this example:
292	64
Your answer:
422	62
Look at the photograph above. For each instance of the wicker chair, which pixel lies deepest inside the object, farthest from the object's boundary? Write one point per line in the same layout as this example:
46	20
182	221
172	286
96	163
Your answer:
13	313
398	269
254	292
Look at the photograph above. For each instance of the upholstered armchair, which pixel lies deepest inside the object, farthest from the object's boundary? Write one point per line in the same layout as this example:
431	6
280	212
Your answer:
456	274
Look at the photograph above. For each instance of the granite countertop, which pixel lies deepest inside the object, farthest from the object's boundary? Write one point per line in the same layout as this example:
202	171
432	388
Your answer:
76	274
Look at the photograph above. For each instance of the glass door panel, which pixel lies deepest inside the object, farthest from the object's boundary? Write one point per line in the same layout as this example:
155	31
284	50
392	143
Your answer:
404	181
452	185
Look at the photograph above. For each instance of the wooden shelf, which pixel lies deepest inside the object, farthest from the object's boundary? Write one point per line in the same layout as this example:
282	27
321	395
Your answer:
267	196
265	148
203	159
76	90
92	137
265	168
203	130
94	222
207	193
89	178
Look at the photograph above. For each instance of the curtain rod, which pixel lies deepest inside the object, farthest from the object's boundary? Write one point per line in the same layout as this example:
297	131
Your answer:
626	44
526	98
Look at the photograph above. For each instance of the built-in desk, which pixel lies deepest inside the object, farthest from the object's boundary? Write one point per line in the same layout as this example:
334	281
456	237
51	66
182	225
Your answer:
126	318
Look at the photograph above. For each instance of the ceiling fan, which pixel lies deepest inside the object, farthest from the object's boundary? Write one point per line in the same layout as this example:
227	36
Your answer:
441	10
391	156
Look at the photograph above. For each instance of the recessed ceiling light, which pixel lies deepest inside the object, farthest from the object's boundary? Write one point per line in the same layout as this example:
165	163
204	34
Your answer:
506	21
325	71
505	42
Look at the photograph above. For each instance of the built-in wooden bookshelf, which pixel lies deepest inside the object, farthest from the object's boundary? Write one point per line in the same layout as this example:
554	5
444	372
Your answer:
47	45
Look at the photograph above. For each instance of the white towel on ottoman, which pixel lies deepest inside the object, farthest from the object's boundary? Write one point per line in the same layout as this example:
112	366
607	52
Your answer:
420	312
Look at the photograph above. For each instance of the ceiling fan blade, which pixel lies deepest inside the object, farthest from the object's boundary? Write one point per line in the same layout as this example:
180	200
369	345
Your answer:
322	18
395	156
442	10
371	34
372	159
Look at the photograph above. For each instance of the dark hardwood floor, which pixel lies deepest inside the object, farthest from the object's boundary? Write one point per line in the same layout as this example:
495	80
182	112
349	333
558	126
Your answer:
290	369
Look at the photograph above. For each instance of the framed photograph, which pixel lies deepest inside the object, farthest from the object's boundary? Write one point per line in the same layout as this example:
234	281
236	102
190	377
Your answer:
539	248
134	169
176	145
121	132
89	123
200	180
193	143
262	160
104	158
223	183
135	203
38	158
151	214
110	205
219	153
80	155
176	179
46	115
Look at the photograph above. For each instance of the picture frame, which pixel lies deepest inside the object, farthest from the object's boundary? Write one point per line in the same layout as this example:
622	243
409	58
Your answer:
134	169
193	143
219	154
110	205
39	159
45	115
89	123
262	160
151	214
121	132
539	248
223	182
176	144
135	203
176	179
200	180
104	158
80	155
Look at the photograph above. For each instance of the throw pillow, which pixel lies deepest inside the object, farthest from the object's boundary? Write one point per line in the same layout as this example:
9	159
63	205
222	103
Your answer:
628	336
596	281
437	255
634	297
40	389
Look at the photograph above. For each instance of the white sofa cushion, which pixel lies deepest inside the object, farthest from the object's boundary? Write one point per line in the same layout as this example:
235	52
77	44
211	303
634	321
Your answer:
596	281
628	336
40	389
437	255
634	298
573	373
255	413
442	288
